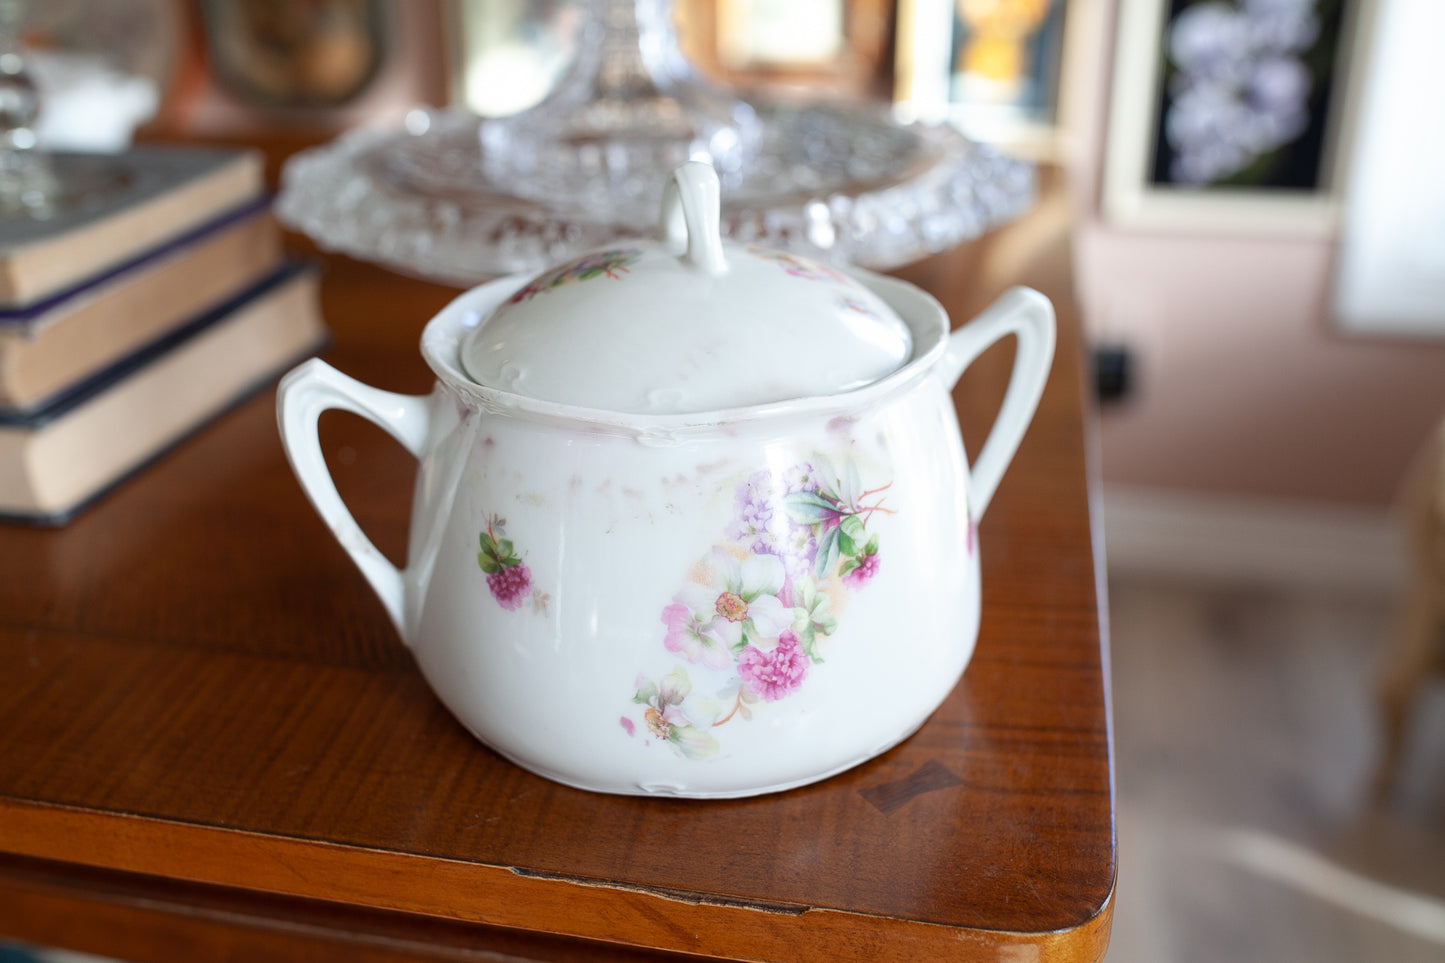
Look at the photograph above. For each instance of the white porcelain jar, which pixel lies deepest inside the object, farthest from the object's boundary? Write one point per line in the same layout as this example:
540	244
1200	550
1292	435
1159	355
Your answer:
691	519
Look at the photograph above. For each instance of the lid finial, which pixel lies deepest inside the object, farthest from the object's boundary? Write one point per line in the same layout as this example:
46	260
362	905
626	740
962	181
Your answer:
692	217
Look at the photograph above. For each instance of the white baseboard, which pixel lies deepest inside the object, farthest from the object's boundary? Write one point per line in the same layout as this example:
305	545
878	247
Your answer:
1153	532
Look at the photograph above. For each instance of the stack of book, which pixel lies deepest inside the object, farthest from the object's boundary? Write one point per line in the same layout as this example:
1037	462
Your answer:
135	315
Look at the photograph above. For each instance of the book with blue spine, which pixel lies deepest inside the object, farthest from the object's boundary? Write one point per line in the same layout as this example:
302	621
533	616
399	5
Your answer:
47	346
58	459
117	209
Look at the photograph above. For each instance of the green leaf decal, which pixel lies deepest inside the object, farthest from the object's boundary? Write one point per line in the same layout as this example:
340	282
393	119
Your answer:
489	564
809	641
852	525
850	484
694	743
827	553
808	508
824	472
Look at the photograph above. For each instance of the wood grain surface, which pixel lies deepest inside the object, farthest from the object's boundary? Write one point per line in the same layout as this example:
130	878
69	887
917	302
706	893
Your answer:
209	731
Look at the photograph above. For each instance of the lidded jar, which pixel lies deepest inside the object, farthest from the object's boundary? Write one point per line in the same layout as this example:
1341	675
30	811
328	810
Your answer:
690	519
687	323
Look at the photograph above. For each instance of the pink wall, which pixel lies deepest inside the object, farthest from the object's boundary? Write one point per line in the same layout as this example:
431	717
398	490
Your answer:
1244	387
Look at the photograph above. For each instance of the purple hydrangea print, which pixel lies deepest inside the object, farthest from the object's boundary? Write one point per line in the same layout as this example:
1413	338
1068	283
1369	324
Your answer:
752	526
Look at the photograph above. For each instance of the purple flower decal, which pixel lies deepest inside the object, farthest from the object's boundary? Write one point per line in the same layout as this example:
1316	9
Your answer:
753	525
800	478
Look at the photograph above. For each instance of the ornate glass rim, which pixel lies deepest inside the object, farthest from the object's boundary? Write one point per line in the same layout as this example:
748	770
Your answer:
843	184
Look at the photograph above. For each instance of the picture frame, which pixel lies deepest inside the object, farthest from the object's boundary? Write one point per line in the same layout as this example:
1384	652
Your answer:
320	76
506	55
748	44
1187	151
993	69
831	48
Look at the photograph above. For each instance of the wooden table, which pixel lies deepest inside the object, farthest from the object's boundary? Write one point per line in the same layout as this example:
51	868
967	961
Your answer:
212	746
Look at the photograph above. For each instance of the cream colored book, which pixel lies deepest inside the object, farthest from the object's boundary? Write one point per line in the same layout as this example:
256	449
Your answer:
56	461
46	349
118	208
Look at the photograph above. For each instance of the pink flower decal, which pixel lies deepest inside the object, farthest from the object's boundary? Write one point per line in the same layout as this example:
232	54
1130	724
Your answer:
755	611
798	267
612	264
691	637
774	674
866	569
510	586
509	580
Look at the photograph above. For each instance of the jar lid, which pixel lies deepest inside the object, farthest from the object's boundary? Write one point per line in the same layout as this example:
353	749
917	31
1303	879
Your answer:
687	323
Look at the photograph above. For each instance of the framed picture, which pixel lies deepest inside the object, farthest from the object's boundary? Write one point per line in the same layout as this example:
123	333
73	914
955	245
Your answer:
1226	116
819	47
992	67
508	54
254	70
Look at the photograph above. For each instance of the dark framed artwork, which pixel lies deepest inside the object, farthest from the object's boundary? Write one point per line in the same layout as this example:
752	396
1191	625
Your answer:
1228	113
254	68
295	53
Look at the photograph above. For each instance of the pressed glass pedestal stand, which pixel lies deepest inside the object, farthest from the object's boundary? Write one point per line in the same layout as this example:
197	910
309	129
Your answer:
453	197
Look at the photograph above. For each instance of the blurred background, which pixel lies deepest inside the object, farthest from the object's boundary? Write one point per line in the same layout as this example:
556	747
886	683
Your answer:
1253	192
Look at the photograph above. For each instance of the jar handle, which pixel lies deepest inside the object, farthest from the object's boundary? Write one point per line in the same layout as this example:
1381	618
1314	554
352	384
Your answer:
1028	315
692	217
306	392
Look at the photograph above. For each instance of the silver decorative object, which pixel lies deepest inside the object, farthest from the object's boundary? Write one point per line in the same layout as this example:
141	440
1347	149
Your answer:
28	185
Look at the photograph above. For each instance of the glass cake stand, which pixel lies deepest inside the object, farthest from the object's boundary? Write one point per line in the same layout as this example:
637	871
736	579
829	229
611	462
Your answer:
452	197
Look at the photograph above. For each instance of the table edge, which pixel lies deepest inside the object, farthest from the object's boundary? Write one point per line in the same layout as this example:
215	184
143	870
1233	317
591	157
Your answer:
447	888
